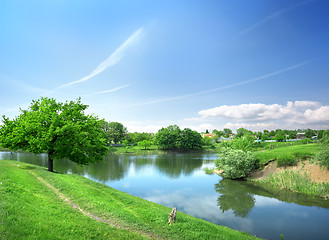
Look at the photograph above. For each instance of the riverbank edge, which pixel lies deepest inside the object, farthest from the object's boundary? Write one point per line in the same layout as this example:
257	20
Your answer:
297	179
133	216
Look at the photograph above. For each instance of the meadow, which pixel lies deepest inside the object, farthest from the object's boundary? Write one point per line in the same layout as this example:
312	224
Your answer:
37	204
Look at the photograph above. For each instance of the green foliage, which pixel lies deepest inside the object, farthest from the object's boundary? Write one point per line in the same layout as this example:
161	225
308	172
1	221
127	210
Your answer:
189	140
279	137
236	163
116	132
137	137
227	132
113	131
217	133
208	141
265	136
173	138
125	143
60	129
323	154
167	138
144	144
242	132
243	144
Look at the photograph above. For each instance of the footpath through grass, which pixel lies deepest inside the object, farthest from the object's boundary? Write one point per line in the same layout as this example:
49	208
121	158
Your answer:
36	204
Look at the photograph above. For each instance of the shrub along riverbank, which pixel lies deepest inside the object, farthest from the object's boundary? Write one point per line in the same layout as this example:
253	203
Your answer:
37	204
280	176
298	179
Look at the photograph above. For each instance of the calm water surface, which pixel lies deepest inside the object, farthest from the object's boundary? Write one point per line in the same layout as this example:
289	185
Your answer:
179	180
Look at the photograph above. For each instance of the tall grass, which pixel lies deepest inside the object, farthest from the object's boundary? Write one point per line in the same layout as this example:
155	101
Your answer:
296	181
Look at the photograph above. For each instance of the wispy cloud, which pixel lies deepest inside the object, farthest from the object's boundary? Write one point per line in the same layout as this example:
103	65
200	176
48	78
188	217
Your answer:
15	84
262	77
112	60
271	16
107	91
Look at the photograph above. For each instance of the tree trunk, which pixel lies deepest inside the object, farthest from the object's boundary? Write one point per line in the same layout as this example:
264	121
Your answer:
50	163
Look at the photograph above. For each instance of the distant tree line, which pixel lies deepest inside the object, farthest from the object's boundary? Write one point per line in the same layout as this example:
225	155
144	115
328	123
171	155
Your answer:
63	130
278	134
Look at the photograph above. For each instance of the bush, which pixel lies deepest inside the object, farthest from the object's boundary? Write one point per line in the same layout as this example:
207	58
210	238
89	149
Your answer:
236	163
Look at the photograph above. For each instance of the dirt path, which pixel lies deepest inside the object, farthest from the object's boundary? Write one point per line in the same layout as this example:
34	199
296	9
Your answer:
86	213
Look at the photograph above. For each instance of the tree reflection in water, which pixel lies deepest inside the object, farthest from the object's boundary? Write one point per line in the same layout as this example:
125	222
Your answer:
236	196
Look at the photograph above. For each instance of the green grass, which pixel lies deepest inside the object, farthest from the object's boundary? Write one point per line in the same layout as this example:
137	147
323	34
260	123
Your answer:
297	182
288	155
31	210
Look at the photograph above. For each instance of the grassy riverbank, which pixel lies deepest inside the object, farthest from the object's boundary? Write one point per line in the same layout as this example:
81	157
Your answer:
296	181
288	155
36	204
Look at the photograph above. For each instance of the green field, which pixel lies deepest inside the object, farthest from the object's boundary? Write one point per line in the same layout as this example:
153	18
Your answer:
37	204
288	155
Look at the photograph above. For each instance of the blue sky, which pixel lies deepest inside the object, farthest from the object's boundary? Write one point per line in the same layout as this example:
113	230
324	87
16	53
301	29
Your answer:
257	64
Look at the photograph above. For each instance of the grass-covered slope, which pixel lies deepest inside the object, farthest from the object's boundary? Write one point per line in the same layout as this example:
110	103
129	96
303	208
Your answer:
36	204
288	155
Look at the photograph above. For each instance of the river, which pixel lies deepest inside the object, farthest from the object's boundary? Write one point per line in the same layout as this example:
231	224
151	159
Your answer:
179	180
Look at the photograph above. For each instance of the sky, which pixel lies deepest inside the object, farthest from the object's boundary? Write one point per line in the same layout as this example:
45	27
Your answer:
205	65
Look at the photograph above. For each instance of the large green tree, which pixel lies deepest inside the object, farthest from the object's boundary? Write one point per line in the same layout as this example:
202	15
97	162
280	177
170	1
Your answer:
189	140
227	132
173	138
117	132
62	130
167	138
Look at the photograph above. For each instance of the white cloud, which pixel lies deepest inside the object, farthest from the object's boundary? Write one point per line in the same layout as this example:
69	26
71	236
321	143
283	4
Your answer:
261	116
108	91
112	60
320	114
